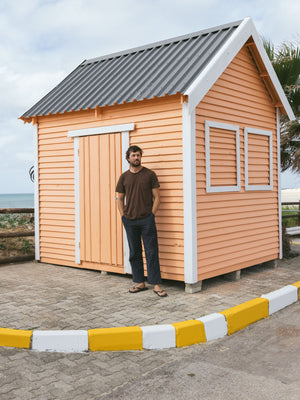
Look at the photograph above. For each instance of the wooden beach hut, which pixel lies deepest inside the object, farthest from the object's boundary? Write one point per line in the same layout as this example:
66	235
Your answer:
205	108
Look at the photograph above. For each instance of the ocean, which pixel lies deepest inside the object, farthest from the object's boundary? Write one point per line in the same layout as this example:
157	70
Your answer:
17	200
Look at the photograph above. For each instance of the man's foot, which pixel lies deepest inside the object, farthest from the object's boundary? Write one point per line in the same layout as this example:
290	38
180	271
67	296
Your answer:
138	288
160	293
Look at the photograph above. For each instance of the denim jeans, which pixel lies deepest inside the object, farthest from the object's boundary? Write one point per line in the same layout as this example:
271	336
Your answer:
145	229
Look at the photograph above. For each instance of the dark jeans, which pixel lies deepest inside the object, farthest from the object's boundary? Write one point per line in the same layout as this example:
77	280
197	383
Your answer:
144	228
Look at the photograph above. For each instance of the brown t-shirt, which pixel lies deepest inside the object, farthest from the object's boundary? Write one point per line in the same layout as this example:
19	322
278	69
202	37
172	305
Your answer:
137	188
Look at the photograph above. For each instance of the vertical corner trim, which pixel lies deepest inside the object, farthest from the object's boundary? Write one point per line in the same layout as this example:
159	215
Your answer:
279	181
77	200
189	194
36	194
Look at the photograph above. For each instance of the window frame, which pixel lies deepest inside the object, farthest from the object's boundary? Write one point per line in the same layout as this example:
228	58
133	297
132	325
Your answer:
227	127
254	131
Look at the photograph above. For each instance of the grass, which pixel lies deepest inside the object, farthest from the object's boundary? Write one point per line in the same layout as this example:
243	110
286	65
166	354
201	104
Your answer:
15	223
289	222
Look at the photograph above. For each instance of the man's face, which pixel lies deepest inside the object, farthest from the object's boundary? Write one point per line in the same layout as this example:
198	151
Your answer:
135	159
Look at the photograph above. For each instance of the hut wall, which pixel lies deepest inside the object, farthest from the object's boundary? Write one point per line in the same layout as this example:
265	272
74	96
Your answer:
158	130
236	229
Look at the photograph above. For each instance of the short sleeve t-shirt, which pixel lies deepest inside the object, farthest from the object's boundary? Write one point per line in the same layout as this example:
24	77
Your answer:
137	188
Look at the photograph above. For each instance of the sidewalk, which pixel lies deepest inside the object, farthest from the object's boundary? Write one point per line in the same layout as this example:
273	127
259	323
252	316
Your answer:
49	297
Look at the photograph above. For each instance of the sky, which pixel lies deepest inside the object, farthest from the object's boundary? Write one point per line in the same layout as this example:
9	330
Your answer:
41	41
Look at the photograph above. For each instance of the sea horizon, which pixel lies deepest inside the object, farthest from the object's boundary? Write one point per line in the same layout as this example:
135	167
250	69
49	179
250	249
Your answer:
16	200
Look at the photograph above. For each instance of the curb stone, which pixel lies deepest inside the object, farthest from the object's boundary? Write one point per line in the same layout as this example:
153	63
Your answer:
178	334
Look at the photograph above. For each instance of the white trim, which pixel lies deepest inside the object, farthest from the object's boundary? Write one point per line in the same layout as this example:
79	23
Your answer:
125	145
279	181
265	133
77	200
36	195
101	130
223	58
189	194
227	127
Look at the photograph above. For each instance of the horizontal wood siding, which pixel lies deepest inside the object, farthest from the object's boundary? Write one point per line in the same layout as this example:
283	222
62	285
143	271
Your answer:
158	130
258	159
236	229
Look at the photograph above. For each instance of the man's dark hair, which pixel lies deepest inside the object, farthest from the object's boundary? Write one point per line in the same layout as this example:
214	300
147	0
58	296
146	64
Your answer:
133	149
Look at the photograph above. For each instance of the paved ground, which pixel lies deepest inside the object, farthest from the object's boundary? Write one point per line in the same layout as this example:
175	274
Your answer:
41	296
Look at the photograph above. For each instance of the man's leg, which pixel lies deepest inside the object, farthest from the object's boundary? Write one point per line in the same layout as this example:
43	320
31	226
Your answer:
149	235
133	233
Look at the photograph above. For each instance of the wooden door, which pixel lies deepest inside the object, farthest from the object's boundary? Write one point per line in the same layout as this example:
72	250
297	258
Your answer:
101	232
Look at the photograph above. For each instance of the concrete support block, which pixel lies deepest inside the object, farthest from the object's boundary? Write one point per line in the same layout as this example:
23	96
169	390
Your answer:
215	326
193	287
271	264
103	273
60	341
158	336
233	276
281	298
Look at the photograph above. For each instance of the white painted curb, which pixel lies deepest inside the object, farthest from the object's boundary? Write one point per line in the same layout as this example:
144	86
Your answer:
61	341
215	326
281	298
158	336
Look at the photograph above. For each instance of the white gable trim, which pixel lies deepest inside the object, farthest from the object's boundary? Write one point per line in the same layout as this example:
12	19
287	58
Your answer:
264	133
189	194
223	58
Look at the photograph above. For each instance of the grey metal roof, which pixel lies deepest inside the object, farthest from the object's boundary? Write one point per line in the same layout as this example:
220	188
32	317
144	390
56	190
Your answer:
155	70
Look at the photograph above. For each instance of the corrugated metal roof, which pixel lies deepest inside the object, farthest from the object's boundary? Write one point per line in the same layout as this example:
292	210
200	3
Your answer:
155	70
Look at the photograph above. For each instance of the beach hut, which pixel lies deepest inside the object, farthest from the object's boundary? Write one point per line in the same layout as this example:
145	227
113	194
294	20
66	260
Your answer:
205	109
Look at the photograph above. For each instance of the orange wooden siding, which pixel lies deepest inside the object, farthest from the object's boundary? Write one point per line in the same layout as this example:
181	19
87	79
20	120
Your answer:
223	170
258	159
236	229
158	130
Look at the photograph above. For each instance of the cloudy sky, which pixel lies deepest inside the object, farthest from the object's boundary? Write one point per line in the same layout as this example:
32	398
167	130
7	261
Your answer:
41	41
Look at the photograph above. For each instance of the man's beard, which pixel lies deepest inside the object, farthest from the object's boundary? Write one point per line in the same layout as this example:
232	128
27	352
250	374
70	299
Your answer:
136	163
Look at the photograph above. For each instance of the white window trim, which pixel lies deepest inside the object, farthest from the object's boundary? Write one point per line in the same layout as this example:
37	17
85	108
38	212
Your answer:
124	130
264	133
227	127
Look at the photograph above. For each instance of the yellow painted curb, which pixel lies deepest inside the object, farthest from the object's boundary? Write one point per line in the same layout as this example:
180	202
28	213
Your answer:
240	316
15	338
107	339
297	284
189	332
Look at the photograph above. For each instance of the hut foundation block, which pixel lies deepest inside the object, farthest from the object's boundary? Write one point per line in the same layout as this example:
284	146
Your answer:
193	287
233	276
272	264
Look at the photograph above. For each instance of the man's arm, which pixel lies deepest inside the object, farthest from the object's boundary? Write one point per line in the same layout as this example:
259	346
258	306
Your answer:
120	197
156	200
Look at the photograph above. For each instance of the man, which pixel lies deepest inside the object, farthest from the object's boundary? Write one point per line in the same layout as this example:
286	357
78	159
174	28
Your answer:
140	186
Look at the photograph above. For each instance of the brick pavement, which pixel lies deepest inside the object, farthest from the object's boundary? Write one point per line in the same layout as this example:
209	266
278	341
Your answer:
42	296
